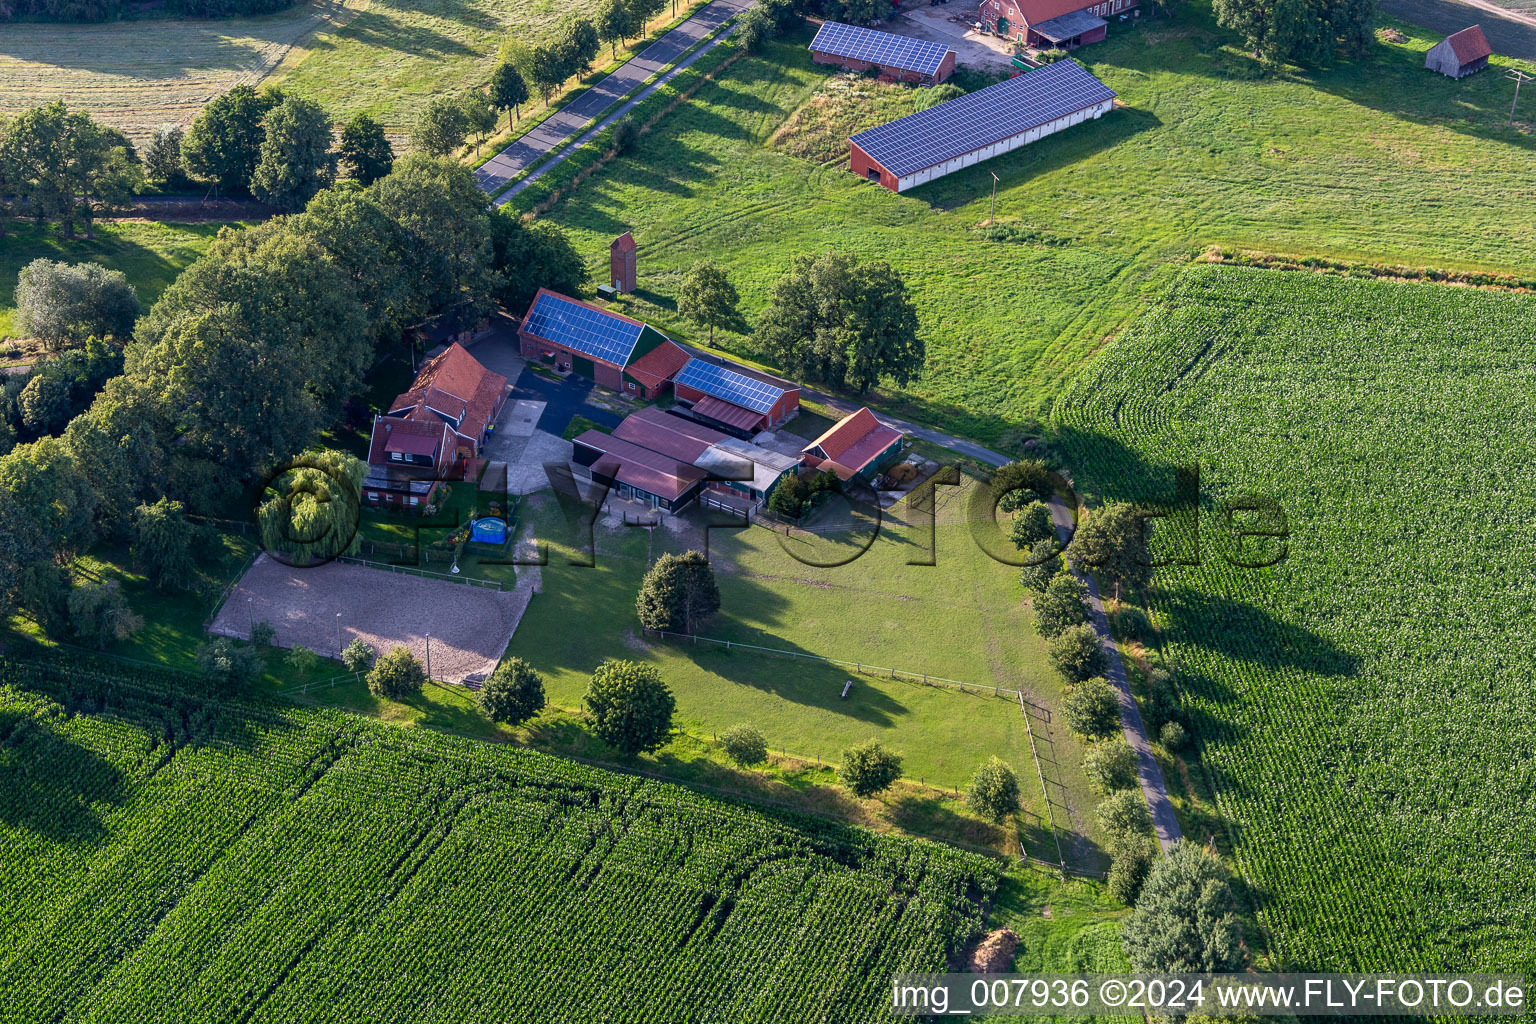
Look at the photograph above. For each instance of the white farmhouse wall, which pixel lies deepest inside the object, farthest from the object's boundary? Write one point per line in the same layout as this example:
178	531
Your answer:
976	156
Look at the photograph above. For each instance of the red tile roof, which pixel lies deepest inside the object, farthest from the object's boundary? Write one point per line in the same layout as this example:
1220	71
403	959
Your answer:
1036	11
456	388
854	441
658	365
623	243
415	437
1469	44
673	436
725	412
640	467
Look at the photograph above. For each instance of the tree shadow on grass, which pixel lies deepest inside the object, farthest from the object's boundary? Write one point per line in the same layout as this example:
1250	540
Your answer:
929	814
50	784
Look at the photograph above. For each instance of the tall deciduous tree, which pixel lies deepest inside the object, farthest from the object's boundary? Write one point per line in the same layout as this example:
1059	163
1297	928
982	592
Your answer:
443	214
224	143
1092	708
369	249
678	594
615	22
994	790
707	296
1185	918
578	45
1112	541
162	544
296	158
65	165
546	69
533	256
479	114
162	157
630	707
1062	605
509	91
441	127
843	323
309	513
365	150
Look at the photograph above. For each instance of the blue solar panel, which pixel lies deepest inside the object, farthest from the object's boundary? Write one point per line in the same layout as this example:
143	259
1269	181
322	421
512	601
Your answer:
966	123
598	334
729	386
883	48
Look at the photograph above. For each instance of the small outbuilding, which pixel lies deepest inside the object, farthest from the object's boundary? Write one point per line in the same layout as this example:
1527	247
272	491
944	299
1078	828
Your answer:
856	446
1460	53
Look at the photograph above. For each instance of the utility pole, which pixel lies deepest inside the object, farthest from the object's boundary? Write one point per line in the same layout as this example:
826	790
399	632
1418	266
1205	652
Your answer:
338	634
429	655
992	217
1518	76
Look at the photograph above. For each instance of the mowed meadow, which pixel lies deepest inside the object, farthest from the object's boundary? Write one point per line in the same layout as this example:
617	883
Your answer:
1374	160
1366	708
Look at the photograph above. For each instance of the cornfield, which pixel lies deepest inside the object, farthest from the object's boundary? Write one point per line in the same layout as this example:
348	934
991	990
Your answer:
1365	708
174	856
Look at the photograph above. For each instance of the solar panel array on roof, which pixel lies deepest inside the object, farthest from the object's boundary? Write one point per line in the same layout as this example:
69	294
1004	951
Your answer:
883	48
583	328
728	385
909	144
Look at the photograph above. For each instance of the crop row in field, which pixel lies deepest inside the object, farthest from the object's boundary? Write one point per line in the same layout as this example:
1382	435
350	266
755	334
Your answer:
1365	708
168	856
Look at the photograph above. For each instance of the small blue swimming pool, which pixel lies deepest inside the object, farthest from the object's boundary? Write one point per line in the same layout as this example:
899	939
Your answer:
489	530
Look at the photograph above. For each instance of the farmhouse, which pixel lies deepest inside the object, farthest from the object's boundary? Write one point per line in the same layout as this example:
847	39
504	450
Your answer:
1060	23
899	58
856	446
1460	53
931	143
598	344
730	397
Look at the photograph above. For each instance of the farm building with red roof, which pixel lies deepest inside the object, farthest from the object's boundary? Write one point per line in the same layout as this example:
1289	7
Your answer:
1051	23
1460	53
599	344
733	398
856	446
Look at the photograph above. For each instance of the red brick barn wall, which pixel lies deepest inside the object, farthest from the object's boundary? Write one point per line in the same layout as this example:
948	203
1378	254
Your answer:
861	164
850	63
606	374
946	68
788	403
686	393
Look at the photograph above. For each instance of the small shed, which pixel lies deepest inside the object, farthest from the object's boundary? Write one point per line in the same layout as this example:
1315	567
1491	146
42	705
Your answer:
1460	54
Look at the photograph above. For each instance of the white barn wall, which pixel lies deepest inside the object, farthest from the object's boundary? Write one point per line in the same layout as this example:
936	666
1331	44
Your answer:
976	156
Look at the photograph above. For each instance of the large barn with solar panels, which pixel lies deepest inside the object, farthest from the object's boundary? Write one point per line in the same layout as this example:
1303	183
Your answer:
733	398
599	344
969	129
899	58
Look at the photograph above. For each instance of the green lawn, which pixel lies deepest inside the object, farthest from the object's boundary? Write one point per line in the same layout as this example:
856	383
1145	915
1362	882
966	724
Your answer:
1371	159
151	254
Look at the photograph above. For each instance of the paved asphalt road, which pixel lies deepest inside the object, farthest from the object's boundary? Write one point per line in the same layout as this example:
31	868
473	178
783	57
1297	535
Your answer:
494	174
564	400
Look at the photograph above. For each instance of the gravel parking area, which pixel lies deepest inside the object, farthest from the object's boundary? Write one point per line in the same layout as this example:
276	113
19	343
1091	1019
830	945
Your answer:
470	626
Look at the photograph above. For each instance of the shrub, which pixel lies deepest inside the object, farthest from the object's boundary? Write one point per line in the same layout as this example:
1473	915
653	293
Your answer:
1185	918
1111	765
1062	605
869	769
932	97
745	744
227	662
1131	623
1124	817
263	633
61	304
1031	525
1161	705
1128	871
513	694
302	659
754	29
994	791
397	675
631	708
626	132
162	157
678	594
358	657
99	614
1092	708
1173	736
1076	653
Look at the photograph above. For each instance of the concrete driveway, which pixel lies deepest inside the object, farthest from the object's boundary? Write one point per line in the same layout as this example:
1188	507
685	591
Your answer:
953	24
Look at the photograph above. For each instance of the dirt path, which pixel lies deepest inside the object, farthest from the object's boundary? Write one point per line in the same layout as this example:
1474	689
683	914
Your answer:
1153	786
